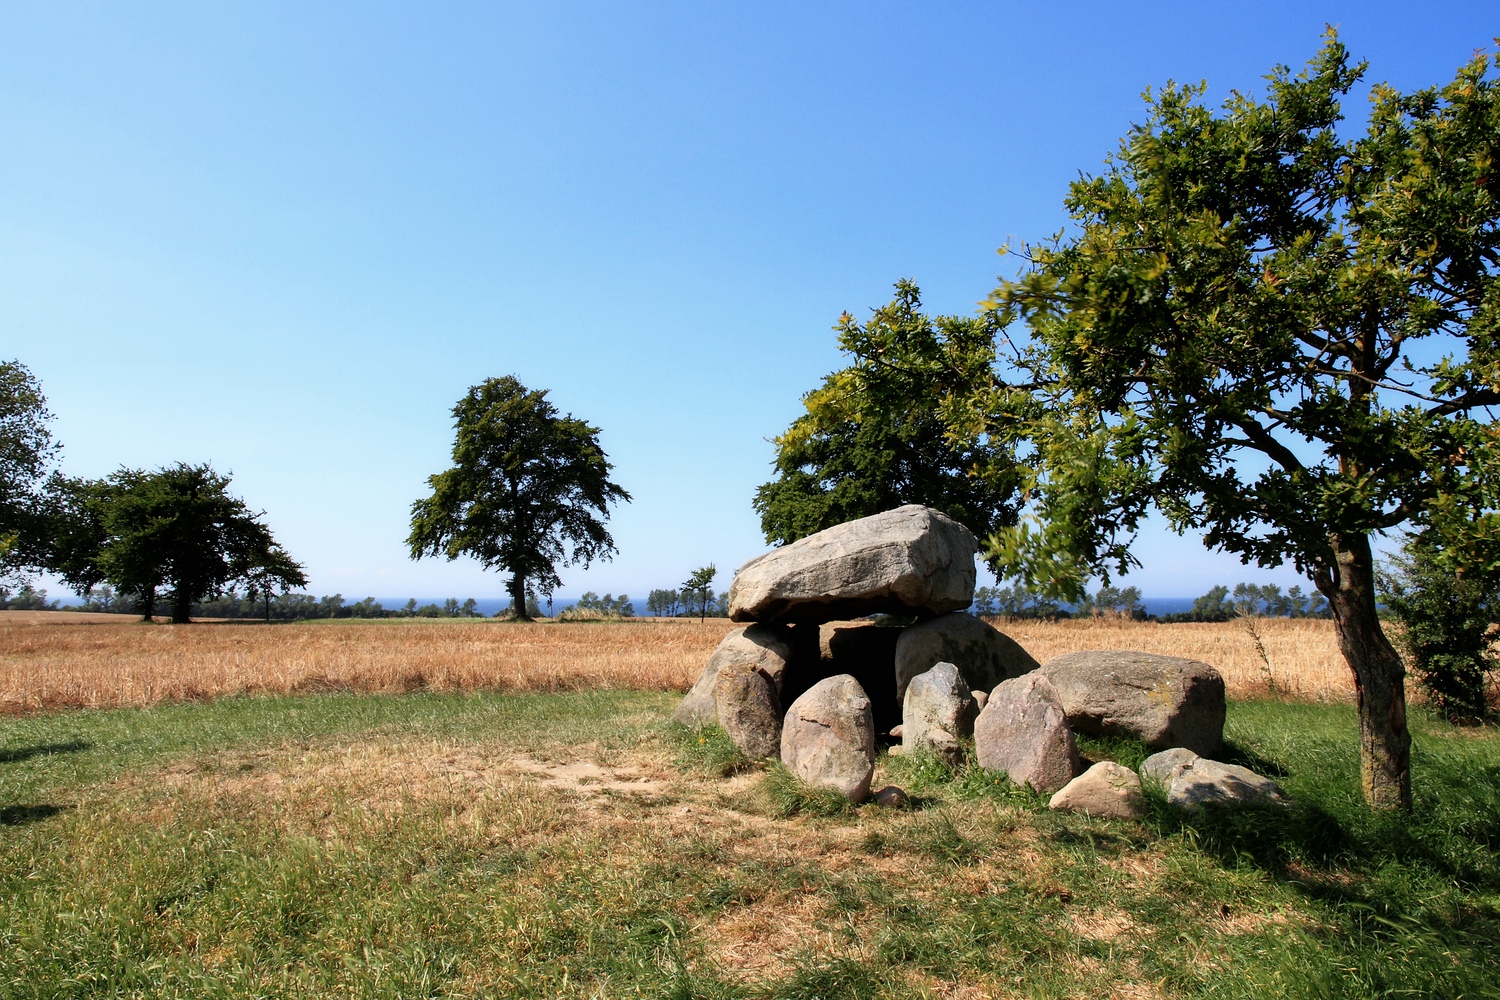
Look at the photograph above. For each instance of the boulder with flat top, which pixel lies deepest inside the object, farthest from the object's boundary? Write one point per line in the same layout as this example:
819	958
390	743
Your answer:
1165	701
912	561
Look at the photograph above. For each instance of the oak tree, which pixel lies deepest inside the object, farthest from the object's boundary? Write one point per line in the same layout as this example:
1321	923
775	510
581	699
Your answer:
176	529
529	490
26	451
1279	336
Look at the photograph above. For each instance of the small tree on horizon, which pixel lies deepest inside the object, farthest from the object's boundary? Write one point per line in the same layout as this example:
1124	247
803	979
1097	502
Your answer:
697	592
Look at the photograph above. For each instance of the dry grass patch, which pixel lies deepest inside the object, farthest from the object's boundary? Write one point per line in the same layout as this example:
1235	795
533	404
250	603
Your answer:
578	847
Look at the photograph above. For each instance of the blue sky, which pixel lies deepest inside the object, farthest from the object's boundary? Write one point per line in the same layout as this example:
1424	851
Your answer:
285	238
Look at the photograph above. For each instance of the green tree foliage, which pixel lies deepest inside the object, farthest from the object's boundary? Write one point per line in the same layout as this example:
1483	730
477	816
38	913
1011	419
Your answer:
1222	605
1445	619
1113	602
872	438
176	529
271	570
1015	601
26	452
1278	336
698	592
664	602
528	490
608	606
26	598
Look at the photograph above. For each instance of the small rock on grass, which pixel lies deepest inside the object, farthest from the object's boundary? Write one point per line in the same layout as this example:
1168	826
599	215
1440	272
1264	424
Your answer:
1191	781
891	796
1107	789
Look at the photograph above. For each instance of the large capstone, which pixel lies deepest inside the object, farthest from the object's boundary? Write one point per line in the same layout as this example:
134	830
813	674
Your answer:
1024	733
984	655
1190	781
828	737
1165	701
909	561
764	647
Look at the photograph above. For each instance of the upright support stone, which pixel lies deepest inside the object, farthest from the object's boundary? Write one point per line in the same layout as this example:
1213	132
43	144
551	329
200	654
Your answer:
828	737
938	711
747	708
766	648
984	655
1023	732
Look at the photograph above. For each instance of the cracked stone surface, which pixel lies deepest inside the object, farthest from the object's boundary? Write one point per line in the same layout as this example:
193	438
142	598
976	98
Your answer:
828	737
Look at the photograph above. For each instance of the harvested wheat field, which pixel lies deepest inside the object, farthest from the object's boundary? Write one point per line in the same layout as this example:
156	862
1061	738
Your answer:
1289	657
45	666
102	666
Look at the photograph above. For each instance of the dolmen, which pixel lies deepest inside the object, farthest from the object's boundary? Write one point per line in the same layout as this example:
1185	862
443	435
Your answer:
810	677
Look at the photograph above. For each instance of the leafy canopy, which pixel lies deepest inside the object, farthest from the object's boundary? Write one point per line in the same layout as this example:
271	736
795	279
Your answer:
177	529
26	451
528	490
873	438
1278	336
1270	333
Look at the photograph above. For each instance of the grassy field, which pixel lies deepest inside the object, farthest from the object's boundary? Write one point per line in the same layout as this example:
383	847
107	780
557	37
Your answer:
575	845
119	663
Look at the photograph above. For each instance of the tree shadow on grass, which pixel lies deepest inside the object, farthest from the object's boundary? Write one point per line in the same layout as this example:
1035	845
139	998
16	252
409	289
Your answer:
1233	753
20	754
22	815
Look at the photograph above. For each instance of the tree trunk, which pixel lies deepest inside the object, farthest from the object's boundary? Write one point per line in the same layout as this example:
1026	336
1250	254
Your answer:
148	604
517	588
182	608
1379	676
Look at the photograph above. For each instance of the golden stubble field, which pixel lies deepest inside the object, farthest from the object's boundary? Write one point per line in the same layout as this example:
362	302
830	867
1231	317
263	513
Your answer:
48	662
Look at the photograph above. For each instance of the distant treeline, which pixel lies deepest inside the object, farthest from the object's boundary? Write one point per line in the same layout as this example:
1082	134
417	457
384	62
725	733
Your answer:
687	603
285	607
1218	605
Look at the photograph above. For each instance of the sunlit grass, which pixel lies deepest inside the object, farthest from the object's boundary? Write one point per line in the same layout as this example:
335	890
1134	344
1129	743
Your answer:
448	845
